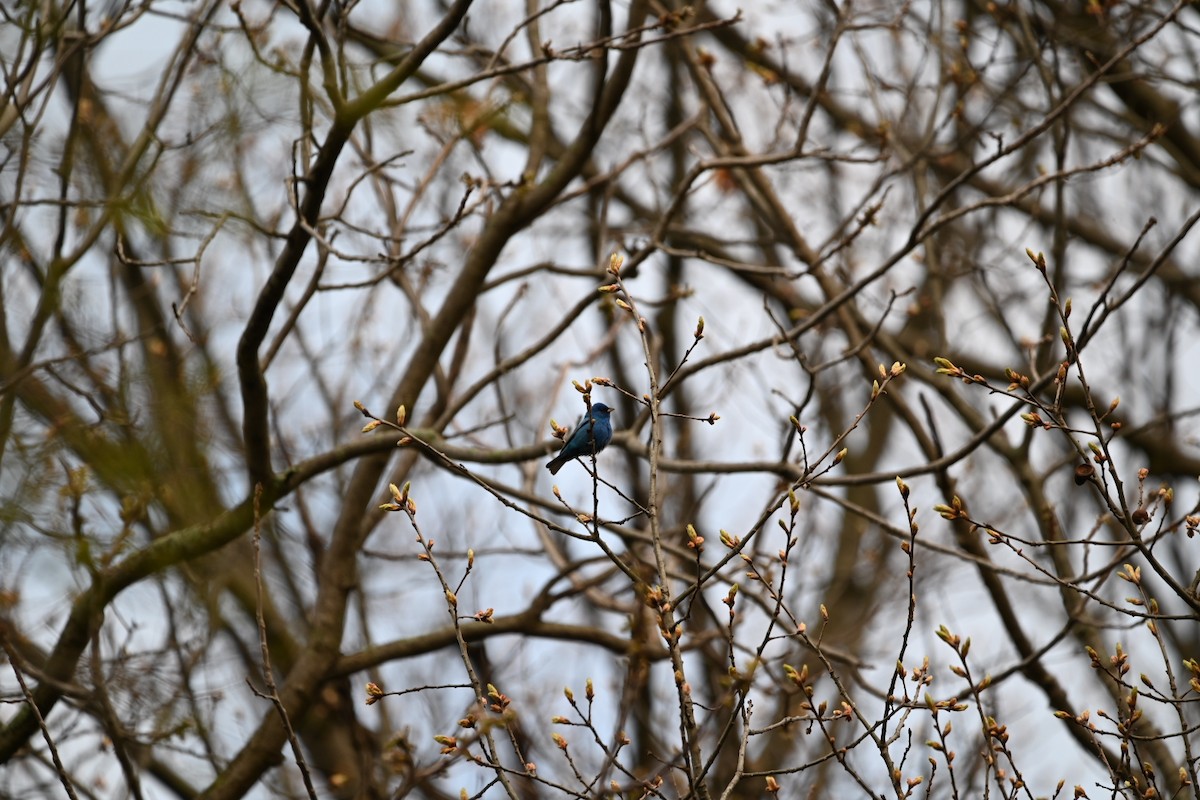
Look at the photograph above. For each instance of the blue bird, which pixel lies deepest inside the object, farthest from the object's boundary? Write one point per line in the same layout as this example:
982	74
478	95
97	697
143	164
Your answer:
597	428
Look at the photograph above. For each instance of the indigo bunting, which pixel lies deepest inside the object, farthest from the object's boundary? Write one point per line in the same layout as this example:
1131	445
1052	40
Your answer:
597	428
